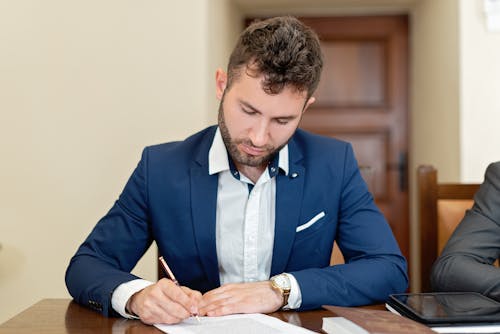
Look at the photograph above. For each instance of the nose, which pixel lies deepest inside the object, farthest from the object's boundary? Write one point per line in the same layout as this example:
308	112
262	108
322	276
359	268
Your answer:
259	134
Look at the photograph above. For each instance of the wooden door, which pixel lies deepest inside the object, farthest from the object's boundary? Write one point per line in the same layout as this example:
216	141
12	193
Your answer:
362	98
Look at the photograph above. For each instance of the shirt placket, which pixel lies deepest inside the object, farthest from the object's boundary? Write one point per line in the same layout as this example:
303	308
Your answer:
251	234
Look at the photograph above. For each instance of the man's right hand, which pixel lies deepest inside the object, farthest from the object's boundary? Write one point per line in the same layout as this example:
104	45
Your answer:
164	302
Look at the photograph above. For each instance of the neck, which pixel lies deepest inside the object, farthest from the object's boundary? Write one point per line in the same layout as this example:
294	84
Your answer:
253	173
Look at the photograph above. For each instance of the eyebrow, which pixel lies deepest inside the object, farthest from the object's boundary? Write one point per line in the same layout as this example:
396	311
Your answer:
249	106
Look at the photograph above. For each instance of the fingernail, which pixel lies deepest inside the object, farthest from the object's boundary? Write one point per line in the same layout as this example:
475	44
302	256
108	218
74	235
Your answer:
194	310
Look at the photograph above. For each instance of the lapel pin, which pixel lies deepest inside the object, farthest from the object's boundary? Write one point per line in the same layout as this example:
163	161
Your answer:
294	175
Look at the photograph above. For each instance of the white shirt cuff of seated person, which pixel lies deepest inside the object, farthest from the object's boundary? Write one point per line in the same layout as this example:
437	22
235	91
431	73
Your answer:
122	294
295	297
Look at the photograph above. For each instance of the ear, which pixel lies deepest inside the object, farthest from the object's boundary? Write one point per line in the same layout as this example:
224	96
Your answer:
220	83
311	100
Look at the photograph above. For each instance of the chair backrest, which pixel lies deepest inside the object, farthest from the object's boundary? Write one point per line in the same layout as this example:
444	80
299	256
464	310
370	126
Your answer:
336	257
441	206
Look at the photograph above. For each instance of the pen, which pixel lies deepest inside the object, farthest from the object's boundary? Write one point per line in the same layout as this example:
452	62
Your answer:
170	275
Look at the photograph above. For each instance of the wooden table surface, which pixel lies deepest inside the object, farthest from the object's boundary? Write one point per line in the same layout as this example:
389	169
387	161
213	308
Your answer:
65	316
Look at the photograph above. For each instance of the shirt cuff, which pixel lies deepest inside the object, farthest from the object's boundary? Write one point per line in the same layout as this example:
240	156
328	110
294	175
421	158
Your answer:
122	294
295	297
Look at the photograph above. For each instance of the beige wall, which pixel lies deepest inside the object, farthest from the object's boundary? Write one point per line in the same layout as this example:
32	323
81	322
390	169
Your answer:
84	86
225	25
434	86
480	92
434	101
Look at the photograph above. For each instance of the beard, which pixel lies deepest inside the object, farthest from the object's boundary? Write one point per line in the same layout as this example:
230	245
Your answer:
238	156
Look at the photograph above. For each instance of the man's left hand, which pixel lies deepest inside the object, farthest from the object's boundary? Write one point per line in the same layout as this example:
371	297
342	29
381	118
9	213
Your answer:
255	297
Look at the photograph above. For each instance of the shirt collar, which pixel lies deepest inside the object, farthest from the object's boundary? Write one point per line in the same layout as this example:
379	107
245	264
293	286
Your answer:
218	160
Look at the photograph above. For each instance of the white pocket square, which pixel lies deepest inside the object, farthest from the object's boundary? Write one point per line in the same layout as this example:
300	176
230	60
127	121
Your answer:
312	221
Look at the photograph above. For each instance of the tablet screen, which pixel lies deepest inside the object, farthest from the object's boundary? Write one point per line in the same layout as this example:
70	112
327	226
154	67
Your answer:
448	307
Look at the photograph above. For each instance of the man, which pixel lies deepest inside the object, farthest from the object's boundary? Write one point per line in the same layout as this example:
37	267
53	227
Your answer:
466	261
245	214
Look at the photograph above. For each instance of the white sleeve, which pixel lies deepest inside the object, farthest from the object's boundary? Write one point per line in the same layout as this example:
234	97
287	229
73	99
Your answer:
295	297
122	294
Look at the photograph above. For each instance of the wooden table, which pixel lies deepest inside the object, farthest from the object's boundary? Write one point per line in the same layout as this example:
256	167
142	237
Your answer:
65	316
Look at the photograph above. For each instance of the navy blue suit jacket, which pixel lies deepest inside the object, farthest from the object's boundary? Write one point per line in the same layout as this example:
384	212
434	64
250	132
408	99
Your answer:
171	199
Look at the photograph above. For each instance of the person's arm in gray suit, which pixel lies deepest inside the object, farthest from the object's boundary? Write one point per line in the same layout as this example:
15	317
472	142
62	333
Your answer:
466	261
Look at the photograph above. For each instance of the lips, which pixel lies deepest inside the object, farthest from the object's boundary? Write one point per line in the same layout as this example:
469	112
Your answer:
252	150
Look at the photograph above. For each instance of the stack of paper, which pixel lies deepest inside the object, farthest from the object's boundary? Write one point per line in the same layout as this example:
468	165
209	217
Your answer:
237	323
340	325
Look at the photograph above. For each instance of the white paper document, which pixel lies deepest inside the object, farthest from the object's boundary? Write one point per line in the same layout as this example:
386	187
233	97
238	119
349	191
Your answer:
341	325
236	323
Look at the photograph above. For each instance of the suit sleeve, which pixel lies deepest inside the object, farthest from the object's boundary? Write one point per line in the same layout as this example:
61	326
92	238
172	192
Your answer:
114	246
374	266
466	261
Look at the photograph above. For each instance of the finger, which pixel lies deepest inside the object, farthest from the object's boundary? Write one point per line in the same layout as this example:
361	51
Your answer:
184	296
223	310
158	314
159	304
217	303
212	297
195	297
155	308
176	294
220	292
193	294
222	306
146	303
173	312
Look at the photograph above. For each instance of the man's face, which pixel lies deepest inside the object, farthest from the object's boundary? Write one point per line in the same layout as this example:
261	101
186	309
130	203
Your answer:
255	125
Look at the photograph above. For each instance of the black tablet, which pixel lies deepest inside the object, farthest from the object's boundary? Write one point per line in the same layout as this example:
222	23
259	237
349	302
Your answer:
443	308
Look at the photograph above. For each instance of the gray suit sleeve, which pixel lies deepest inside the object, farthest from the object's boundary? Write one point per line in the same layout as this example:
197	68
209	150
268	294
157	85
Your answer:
465	263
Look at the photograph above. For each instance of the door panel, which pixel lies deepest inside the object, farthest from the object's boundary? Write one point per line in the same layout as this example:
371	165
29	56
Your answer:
356	82
362	98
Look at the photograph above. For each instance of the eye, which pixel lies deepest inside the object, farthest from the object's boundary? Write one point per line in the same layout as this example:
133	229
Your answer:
248	112
282	121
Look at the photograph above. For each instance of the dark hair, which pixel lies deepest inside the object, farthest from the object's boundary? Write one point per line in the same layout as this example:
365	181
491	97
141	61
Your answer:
283	49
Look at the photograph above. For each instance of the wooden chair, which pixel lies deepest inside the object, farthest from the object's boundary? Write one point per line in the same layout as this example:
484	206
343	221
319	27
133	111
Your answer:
441	206
336	257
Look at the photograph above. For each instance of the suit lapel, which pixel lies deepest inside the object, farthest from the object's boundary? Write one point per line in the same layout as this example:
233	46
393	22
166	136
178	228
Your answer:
204	206
289	189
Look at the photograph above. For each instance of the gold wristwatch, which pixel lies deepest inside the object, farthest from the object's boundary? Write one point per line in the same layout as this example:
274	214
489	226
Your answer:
282	284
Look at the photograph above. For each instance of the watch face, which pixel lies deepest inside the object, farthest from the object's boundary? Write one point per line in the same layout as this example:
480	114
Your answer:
282	281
